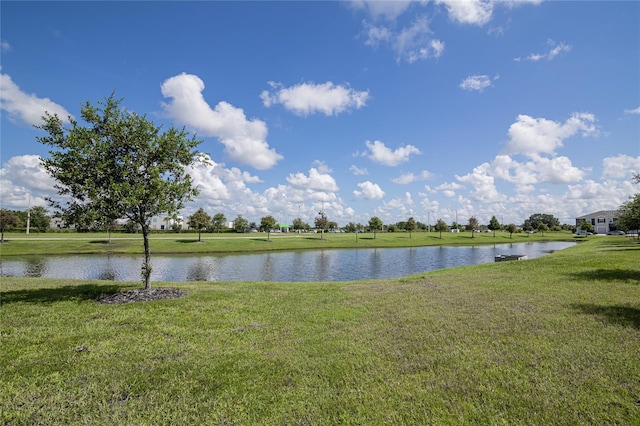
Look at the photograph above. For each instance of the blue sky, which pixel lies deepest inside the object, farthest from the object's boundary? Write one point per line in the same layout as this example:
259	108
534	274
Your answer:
431	109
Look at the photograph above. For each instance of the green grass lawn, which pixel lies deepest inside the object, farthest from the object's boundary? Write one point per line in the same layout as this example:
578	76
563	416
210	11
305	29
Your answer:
548	341
93	243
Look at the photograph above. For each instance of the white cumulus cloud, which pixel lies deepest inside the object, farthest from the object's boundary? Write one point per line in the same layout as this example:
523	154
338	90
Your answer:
309	98
315	181
23	175
369	191
476	83
24	107
382	9
539	169
379	153
474	12
410	44
482	183
358	171
530	135
410	177
244	140
620	167
27	170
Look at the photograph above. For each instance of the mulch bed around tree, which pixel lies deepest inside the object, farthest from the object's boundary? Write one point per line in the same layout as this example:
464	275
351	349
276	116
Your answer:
141	295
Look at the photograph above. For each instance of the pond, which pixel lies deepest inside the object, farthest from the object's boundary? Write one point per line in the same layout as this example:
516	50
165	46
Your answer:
290	266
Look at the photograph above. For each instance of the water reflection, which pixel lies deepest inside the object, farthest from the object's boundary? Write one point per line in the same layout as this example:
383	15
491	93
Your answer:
35	267
318	265
108	271
200	270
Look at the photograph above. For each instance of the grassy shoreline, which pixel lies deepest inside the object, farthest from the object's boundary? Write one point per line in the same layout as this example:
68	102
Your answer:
187	243
553	340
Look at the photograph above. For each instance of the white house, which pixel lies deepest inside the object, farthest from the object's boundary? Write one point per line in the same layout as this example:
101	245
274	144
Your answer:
602	221
164	222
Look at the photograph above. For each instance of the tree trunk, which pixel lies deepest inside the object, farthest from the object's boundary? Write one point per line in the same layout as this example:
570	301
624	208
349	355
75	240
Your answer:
146	266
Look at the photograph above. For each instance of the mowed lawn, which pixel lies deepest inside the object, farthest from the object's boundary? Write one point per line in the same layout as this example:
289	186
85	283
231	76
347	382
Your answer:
548	341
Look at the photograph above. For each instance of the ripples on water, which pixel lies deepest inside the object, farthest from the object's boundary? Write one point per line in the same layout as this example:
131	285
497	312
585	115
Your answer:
317	265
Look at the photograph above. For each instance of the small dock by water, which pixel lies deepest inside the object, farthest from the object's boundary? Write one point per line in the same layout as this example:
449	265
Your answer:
508	257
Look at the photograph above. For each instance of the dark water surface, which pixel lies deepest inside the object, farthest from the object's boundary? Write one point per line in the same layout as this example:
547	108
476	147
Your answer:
316	265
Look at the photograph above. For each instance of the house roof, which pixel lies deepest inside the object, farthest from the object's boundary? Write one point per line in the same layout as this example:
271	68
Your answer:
601	213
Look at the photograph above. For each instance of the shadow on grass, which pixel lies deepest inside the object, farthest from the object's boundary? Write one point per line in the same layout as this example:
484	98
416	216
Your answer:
315	238
619	315
77	293
631	276
104	242
190	241
262	240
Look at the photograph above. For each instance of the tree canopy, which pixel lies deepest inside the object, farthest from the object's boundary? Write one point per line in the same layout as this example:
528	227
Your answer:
200	220
473	225
321	223
535	219
375	224
267	223
240	224
441	226
410	225
218	222
118	165
8	220
494	225
629	218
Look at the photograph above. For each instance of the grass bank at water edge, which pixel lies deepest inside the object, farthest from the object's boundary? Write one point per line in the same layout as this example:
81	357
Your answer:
97	243
553	341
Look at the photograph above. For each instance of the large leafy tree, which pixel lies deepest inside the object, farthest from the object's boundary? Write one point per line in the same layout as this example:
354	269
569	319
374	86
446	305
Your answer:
218	222
118	164
586	226
321	222
267	223
200	220
240	224
375	224
473	225
298	224
38	218
8	220
629	218
410	225
542	227
494	225
533	221
441	226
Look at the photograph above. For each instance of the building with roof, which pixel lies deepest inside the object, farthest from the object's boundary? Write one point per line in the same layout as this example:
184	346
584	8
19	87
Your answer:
603	221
